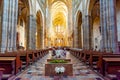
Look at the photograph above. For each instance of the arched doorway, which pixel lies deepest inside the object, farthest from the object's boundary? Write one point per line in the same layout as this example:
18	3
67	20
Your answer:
39	30
118	20
22	24
79	30
1	9
95	29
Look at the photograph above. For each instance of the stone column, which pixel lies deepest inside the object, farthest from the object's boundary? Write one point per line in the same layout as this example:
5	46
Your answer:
27	32
91	46
44	37
86	33
4	23
103	24
32	31
41	35
9	23
12	24
15	10
108	25
113	26
75	37
1	10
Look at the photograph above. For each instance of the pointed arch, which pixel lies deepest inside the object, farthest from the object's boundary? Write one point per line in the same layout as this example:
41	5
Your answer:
22	38
39	27
94	12
79	30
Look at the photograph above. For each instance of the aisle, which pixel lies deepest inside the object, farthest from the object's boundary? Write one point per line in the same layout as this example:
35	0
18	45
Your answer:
80	71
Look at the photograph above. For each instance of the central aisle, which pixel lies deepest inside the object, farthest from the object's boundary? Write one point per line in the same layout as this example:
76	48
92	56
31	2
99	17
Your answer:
80	71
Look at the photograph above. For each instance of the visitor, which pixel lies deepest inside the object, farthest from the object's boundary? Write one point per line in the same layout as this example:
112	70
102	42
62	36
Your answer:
53	52
64	52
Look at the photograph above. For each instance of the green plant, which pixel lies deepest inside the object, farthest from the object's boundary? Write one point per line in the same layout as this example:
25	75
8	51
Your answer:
58	61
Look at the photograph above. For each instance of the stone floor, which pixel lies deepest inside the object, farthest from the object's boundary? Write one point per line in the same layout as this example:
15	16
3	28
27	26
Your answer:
80	71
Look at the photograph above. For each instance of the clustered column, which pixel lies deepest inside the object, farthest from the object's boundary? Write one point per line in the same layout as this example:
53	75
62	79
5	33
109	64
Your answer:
9	23
42	34
75	35
108	25
32	32
86	31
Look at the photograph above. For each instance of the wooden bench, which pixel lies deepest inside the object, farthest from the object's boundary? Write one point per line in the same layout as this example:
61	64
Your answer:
31	56
1	72
86	56
24	57
94	57
39	53
111	61
36	55
8	63
18	62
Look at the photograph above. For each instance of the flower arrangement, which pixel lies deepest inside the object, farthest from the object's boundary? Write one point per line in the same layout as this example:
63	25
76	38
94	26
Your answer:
59	70
58	61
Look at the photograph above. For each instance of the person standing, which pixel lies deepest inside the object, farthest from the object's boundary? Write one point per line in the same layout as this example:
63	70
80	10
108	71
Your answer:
53	52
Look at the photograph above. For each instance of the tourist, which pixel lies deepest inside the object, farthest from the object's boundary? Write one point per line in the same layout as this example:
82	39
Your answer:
64	52
53	52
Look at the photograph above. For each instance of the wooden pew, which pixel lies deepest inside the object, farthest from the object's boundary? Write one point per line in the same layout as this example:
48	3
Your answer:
24	57
36	55
112	60
18	62
9	64
39	54
31	56
94	57
86	56
81	54
78	54
100	59
118	75
1	72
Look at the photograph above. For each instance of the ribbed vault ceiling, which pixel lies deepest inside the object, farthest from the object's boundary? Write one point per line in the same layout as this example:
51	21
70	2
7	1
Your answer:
59	13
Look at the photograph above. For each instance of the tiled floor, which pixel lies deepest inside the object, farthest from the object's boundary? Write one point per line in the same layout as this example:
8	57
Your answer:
80	71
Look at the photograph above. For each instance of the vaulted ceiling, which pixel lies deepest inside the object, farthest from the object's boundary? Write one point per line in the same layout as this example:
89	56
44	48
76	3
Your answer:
59	13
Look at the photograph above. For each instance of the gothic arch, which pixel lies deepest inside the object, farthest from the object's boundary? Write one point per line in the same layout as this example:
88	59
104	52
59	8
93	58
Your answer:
90	5
22	24
79	30
94	12
39	29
